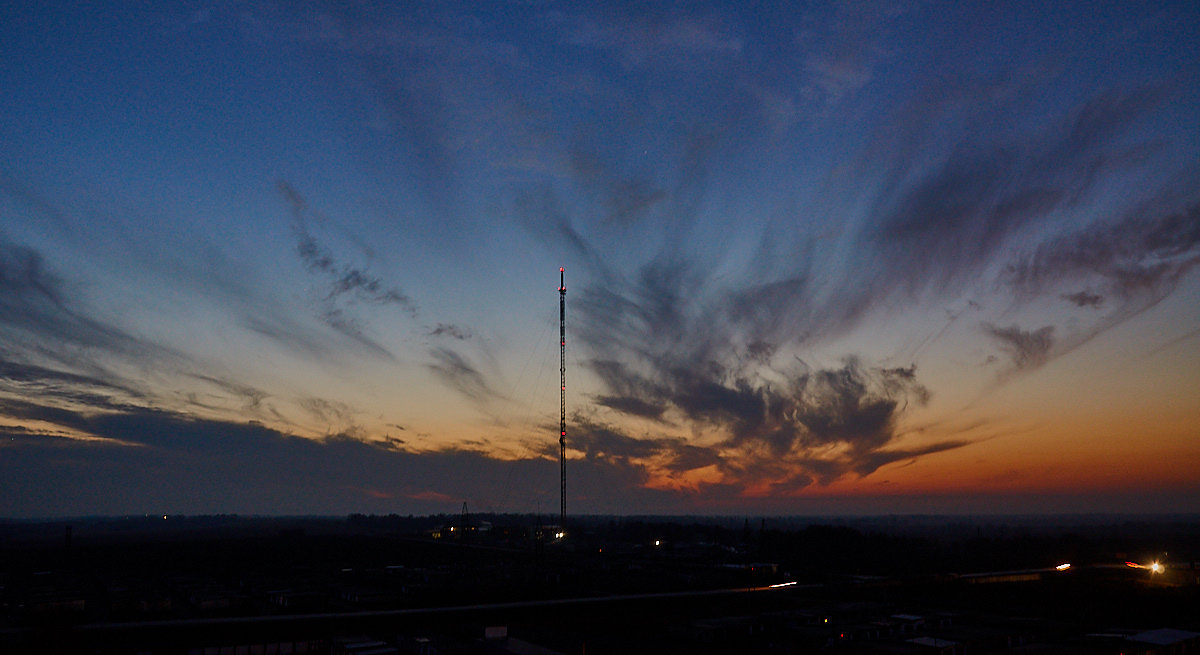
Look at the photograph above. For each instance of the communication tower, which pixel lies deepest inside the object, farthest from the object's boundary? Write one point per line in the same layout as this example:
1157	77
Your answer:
562	400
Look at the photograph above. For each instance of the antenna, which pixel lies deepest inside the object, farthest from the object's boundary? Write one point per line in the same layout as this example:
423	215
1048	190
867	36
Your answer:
562	400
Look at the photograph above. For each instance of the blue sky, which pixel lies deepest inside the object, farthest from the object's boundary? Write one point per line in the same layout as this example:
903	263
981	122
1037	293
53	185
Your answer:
861	257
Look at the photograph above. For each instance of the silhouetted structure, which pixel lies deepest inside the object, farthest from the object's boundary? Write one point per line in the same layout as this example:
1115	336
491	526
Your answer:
562	400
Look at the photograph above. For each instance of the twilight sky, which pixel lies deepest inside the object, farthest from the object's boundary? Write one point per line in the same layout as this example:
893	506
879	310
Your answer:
861	257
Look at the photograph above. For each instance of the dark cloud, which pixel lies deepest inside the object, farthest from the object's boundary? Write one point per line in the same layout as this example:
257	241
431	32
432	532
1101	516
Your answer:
345	280
1134	262
941	229
1084	299
59	323
950	196
457	373
1028	349
51	385
55	350
664	356
628	393
329	412
347	286
605	442
251	397
617	201
36	303
1141	255
450	330
871	462
541	211
151	461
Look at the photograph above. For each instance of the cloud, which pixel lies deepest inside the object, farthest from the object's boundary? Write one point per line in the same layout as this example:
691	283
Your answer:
540	209
1143	254
450	330
1028	349
36	304
666	356
844	49
347	286
51	385
940	229
330	413
153	461
457	373
950	202
345	280
1134	262
619	201
252	397
54	349
1084	299
648	36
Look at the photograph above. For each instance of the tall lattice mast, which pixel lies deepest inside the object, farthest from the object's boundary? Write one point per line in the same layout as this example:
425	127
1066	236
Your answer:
562	400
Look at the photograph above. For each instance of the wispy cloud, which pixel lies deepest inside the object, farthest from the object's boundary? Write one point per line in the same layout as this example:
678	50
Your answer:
844	50
676	347
346	285
652	36
35	304
450	330
456	372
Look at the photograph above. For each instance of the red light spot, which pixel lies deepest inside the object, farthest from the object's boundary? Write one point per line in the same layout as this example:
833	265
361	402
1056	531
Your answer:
564	433
561	269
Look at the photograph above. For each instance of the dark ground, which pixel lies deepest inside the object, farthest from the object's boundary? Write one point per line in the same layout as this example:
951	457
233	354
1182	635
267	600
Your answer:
186	584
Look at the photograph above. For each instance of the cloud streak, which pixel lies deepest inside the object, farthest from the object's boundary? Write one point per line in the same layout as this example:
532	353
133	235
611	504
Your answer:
347	286
456	372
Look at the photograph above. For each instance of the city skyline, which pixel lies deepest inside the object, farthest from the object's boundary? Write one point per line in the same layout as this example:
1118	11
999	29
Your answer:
861	258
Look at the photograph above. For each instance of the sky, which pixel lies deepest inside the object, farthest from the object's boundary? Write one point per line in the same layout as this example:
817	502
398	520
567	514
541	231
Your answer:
820	258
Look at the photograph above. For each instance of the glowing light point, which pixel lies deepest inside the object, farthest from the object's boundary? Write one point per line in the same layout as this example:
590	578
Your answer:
1062	567
1156	568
